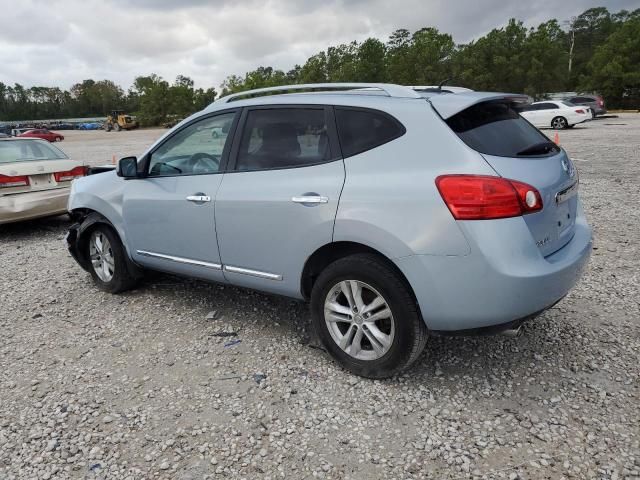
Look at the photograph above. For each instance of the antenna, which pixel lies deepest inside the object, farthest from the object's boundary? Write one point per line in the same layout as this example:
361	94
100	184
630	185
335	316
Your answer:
442	83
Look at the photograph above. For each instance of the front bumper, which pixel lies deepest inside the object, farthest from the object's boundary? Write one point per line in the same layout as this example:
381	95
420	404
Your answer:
25	206
71	240
504	279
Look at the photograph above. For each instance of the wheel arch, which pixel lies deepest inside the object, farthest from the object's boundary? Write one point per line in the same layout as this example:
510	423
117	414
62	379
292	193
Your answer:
86	221
331	252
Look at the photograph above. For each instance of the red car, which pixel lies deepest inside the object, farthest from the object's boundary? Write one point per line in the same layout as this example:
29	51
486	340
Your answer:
44	134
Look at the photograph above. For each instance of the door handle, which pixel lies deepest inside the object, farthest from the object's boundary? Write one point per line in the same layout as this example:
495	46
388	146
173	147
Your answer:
199	198
310	199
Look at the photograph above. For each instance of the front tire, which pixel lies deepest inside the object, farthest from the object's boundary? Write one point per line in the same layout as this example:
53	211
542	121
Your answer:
366	316
559	123
107	260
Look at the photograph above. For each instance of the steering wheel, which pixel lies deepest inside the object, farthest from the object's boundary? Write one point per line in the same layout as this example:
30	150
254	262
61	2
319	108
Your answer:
204	163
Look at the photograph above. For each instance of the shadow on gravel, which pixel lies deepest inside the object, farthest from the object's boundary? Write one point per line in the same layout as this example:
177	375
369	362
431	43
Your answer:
30	228
550	343
550	339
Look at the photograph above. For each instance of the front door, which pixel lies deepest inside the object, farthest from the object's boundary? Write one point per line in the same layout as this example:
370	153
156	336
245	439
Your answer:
169	215
279	205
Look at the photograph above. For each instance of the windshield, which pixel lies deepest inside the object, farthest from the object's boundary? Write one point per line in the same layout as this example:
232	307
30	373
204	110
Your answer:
28	150
495	128
568	104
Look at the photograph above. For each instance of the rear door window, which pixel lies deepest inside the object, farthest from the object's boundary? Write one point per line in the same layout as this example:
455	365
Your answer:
284	138
495	128
360	130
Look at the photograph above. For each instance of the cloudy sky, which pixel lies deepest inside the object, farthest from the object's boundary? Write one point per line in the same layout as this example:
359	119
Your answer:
60	42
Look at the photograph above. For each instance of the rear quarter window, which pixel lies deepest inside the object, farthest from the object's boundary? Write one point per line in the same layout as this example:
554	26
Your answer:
360	130
495	128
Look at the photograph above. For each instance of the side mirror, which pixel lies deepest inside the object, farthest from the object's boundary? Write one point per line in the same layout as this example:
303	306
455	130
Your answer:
127	167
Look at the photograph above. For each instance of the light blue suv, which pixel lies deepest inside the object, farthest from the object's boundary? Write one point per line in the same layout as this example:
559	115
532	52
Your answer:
396	212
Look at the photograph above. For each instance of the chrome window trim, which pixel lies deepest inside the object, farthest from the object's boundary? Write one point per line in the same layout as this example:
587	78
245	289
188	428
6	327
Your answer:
253	273
188	261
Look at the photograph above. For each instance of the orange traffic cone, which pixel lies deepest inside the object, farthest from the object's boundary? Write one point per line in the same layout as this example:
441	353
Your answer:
556	139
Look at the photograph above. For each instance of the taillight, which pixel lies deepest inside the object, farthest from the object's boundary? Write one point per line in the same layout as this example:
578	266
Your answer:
480	197
70	175
601	102
7	181
579	110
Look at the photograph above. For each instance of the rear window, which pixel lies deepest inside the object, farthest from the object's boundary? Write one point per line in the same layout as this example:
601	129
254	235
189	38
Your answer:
28	150
362	129
495	128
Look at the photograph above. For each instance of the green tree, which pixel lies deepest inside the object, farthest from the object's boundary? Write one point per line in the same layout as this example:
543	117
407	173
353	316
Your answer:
315	69
154	100
546	59
588	30
371	61
614	69
495	62
342	63
399	66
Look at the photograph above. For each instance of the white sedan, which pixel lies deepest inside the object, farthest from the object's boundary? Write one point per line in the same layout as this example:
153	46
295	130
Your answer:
555	114
35	179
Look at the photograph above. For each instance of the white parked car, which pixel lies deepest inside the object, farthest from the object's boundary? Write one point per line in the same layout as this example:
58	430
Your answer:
35	179
555	114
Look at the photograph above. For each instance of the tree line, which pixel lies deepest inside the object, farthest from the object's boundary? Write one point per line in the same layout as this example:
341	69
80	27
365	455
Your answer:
596	51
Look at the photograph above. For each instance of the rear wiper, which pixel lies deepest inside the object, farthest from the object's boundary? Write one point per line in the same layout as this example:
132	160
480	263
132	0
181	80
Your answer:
539	148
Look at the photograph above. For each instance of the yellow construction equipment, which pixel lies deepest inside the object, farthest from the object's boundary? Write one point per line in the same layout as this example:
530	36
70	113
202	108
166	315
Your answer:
118	120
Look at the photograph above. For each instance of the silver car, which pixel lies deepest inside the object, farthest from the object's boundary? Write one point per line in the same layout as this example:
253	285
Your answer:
396	213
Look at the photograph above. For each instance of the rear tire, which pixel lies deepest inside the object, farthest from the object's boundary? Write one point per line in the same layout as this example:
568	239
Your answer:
107	260
366	316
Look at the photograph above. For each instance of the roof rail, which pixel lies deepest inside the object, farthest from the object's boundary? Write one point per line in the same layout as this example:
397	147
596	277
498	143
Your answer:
451	88
392	90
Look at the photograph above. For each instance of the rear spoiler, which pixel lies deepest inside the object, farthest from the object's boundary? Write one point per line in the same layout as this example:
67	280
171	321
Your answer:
448	105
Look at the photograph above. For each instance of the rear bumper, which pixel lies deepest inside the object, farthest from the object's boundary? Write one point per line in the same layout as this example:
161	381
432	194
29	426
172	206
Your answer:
25	206
576	119
504	279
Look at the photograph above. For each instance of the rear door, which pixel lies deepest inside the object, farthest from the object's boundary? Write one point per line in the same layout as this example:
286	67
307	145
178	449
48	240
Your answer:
517	151
279	204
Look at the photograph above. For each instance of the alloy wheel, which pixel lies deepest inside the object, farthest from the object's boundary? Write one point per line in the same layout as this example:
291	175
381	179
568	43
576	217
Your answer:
359	320
101	255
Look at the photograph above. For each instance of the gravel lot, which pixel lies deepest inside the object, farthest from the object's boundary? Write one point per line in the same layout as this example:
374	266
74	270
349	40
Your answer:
149	385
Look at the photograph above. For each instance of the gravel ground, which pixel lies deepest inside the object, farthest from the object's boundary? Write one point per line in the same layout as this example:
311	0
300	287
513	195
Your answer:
181	379
97	147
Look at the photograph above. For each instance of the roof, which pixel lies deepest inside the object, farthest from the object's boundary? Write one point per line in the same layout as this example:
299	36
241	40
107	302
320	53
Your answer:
447	102
390	89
